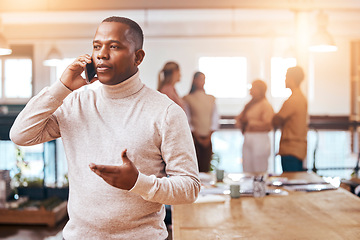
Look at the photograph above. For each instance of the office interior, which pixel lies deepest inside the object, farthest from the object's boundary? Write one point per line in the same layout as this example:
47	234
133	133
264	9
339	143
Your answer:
253	39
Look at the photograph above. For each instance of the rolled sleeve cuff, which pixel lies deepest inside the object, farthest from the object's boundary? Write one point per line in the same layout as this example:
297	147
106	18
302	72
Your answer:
144	185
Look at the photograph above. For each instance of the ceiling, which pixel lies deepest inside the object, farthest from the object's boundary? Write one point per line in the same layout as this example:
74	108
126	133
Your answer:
88	5
76	19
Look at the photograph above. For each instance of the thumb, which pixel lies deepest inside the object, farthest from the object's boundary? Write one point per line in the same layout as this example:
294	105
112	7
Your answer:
124	157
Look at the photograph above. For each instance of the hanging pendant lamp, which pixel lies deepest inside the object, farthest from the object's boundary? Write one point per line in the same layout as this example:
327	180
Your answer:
53	57
322	41
4	45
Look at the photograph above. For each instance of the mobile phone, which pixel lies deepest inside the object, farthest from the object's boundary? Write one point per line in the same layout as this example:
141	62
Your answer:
90	72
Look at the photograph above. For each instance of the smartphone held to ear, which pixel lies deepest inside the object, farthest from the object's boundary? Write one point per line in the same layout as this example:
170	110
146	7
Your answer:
90	72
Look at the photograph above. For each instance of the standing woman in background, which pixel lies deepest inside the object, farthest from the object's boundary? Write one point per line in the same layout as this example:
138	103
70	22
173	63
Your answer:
168	77
203	119
255	124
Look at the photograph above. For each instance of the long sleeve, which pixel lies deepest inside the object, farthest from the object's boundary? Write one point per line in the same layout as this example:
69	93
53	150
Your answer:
287	110
182	184
95	127
37	122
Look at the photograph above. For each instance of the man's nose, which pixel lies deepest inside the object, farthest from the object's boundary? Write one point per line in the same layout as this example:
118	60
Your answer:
103	53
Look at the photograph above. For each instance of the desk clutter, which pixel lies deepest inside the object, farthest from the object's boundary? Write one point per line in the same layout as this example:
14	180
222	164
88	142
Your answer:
287	211
215	186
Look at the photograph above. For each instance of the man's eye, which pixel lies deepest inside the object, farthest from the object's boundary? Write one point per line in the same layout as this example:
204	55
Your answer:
114	46
96	47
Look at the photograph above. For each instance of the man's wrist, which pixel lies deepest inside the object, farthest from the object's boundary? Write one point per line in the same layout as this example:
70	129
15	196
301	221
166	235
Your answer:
65	85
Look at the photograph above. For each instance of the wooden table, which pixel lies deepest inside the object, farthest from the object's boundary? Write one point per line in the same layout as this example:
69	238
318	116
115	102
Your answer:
332	214
34	217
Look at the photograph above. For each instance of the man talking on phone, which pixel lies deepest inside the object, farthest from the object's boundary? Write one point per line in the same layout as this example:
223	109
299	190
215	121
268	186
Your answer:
129	148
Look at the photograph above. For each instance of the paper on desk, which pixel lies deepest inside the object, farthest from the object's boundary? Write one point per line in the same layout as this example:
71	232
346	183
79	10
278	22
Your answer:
311	187
205	178
219	189
246	189
210	198
281	181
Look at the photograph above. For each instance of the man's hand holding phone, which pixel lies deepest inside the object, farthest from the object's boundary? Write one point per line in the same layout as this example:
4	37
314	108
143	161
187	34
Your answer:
72	78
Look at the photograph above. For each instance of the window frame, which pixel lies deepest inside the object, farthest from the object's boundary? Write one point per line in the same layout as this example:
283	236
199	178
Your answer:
19	52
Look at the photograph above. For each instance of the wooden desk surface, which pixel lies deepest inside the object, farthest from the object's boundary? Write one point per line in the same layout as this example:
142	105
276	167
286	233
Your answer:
333	214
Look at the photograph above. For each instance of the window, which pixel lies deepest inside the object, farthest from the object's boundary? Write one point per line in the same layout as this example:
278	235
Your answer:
16	78
16	73
279	67
225	76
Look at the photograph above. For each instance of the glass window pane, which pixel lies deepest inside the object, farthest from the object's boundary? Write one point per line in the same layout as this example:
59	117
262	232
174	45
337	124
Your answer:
279	67
32	164
225	76
18	75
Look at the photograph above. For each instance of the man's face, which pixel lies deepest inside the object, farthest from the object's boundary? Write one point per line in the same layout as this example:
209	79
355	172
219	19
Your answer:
114	53
255	91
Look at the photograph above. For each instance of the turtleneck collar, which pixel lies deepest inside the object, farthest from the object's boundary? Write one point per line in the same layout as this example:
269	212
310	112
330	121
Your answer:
123	89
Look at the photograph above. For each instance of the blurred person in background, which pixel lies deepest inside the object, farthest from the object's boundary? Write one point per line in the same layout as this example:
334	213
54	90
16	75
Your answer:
292	119
255	124
203	119
168	77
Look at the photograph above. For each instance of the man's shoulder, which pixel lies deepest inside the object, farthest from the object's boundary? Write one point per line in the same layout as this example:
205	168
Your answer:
297	93
88	94
265	102
297	97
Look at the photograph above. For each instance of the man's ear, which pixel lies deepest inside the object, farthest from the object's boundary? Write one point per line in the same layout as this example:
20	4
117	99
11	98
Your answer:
139	57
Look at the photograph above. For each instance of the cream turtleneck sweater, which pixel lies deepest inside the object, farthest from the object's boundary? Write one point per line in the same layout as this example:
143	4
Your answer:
96	126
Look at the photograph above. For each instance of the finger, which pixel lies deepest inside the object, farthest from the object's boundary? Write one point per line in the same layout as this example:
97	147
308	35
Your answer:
93	167
84	58
104	168
124	156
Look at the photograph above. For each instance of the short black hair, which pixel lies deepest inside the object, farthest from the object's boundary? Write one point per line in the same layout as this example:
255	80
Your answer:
135	29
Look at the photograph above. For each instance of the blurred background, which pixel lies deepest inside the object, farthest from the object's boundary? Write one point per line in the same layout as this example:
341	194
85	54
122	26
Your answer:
233	42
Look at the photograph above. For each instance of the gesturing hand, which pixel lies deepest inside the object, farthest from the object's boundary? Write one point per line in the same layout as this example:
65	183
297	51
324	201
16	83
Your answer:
123	176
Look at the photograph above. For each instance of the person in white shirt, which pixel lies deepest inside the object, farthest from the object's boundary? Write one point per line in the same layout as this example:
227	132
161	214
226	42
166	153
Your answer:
255	124
203	119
